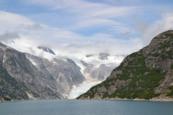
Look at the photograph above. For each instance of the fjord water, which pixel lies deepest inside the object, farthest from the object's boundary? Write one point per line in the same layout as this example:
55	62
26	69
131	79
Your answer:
77	107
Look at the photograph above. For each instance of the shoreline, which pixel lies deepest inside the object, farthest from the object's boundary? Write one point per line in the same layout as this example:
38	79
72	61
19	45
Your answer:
126	99
110	99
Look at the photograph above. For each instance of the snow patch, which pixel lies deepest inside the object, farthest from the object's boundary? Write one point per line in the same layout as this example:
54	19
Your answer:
30	96
27	46
32	61
82	88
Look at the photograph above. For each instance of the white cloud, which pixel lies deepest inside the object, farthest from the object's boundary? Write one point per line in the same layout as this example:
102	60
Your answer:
87	14
65	42
78	5
9	21
96	22
112	11
8	36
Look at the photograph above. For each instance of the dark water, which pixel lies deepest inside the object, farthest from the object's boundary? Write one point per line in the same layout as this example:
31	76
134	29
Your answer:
74	107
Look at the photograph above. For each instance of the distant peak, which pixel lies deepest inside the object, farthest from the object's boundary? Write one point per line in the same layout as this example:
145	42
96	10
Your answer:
46	49
89	55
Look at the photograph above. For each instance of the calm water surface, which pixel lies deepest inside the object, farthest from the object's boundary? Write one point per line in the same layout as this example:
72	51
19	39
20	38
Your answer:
77	107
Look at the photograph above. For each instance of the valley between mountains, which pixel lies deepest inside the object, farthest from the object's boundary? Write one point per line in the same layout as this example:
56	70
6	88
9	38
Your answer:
39	73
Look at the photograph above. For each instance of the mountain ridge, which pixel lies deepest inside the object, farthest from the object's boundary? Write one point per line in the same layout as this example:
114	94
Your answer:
145	74
25	76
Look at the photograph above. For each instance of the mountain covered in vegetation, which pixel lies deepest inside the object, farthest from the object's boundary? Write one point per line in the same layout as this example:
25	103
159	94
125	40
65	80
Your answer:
145	74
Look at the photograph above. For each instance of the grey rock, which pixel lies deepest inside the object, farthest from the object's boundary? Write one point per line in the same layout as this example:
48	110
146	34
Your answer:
46	49
24	76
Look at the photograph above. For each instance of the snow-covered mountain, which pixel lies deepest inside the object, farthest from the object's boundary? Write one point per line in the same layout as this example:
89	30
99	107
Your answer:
95	71
38	77
46	49
71	75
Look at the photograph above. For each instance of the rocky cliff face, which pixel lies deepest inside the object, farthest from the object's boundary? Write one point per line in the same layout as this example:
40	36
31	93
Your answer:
48	50
24	76
63	73
9	87
145	74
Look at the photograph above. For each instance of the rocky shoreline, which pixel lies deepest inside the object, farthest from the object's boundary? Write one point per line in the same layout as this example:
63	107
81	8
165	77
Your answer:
6	98
2	100
166	99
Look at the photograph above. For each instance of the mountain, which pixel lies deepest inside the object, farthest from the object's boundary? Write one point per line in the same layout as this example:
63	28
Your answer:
95	71
25	76
10	87
63	72
46	49
145	74
68	75
39	73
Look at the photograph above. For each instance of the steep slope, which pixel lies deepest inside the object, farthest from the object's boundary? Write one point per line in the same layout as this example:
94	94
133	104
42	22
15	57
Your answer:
12	89
9	87
63	72
24	76
145	74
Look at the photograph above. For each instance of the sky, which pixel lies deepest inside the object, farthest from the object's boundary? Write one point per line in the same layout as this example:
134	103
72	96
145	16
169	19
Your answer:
80	27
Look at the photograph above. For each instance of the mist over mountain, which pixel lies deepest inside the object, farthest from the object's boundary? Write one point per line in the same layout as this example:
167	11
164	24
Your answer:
46	49
38	77
42	74
89	45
